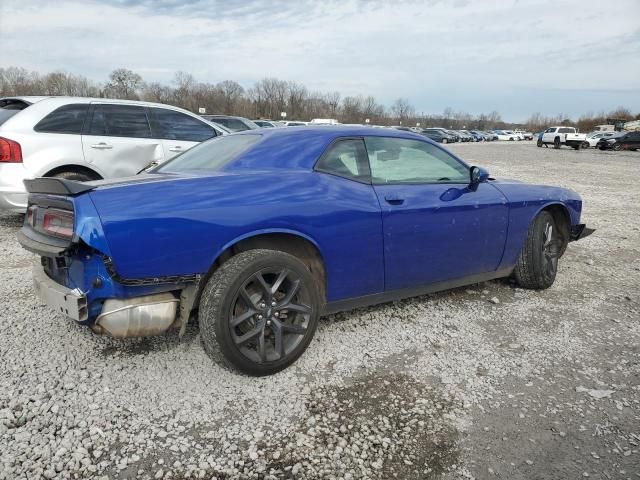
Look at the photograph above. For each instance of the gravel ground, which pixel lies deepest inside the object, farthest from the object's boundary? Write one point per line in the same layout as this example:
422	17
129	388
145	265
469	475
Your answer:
488	381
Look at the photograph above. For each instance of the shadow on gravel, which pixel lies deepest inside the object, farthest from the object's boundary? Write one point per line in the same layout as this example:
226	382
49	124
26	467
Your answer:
129	347
11	220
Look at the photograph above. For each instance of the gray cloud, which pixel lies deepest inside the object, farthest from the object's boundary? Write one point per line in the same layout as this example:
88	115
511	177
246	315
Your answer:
515	57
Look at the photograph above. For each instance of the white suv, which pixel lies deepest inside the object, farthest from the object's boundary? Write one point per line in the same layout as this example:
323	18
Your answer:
88	139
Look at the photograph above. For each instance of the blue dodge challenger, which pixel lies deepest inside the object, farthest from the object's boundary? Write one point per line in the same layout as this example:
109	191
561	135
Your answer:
260	233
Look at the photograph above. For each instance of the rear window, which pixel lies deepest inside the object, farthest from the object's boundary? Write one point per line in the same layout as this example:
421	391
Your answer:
66	119
6	115
172	125
212	155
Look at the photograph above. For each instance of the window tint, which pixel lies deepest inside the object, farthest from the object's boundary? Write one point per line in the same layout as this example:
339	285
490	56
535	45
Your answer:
398	160
346	158
173	125
211	156
120	121
66	119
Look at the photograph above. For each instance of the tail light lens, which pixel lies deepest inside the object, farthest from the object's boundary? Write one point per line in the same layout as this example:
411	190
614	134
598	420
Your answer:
10	151
58	223
31	215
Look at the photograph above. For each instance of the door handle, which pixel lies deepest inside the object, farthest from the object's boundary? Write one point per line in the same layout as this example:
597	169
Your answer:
175	149
101	146
393	199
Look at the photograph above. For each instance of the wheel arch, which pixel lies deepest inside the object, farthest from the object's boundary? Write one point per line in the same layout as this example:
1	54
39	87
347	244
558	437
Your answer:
73	168
562	218
292	242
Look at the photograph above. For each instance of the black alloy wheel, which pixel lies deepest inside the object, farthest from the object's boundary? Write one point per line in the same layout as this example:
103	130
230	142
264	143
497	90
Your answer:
261	308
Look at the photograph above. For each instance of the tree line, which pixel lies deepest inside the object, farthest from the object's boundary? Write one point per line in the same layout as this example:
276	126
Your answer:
269	97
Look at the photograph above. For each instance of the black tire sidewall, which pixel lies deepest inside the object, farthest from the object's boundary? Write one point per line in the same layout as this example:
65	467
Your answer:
219	315
75	176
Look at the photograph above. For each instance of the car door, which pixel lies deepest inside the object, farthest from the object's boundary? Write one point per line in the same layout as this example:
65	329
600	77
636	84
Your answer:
435	226
549	135
118	139
178	131
633	140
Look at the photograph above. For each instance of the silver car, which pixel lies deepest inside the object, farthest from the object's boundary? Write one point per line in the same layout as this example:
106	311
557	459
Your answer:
88	139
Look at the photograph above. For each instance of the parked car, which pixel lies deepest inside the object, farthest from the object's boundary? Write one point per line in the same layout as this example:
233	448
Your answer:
390	215
558	136
506	135
89	139
622	141
295	123
324	121
266	123
402	128
231	123
594	137
437	135
516	136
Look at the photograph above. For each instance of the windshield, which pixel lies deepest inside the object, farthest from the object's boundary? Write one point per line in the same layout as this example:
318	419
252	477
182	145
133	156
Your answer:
211	155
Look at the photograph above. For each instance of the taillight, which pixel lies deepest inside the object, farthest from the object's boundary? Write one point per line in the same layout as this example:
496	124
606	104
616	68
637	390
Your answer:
58	223
31	215
10	151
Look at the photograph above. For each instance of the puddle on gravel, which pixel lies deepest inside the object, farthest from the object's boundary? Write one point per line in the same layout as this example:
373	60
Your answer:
403	427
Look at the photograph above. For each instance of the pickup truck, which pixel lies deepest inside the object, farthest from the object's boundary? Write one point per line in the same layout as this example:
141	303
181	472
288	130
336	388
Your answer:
558	136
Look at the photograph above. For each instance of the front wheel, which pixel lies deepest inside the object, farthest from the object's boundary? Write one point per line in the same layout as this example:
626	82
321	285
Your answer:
556	143
539	143
616	147
538	261
585	145
444	140
261	308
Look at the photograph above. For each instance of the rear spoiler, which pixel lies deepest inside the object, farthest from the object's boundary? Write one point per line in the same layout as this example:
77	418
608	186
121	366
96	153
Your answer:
57	186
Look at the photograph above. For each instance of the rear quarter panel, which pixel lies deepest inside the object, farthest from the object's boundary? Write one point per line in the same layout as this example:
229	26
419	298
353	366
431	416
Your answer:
181	226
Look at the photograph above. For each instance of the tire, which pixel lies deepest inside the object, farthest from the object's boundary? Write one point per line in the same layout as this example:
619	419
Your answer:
444	140
538	261
616	147
75	176
511	139
586	145
556	143
235	292
539	143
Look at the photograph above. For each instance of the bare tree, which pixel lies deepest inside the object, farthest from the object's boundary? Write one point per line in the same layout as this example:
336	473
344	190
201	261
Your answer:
231	92
123	83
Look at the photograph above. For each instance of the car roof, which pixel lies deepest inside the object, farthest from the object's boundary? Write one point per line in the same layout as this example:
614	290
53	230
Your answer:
26	98
299	148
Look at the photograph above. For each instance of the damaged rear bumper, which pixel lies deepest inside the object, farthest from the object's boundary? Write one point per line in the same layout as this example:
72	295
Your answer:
580	231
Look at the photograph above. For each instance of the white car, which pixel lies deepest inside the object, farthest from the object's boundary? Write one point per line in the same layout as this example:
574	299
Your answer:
295	123
593	138
89	139
506	135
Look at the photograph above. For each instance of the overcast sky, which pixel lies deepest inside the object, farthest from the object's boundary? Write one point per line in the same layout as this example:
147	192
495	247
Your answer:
517	57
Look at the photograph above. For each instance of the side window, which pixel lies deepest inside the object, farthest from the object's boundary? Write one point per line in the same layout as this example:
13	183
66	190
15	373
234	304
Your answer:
399	160
346	158
172	125
231	123
550	130
566	130
120	121
66	119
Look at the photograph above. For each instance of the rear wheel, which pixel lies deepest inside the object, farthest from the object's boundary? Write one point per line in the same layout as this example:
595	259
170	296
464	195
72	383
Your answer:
538	261
76	176
556	142
261	309
444	140
539	143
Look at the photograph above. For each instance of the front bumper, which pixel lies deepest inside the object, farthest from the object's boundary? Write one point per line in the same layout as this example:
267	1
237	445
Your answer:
72	303
580	231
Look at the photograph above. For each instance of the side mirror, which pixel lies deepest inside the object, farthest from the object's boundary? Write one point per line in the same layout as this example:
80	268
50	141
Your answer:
477	175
